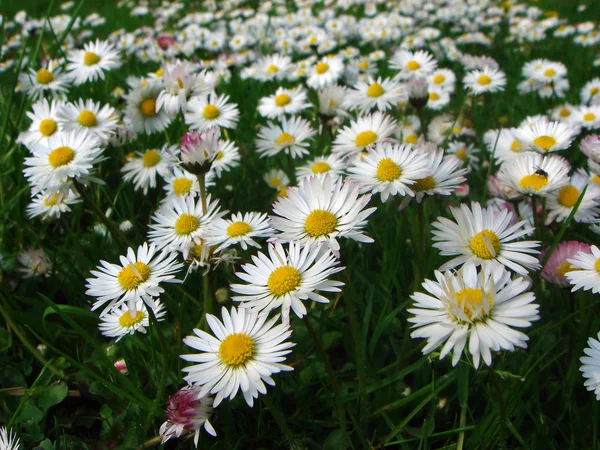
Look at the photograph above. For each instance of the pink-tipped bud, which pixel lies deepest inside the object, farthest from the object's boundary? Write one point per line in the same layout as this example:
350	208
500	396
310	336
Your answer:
198	150
165	41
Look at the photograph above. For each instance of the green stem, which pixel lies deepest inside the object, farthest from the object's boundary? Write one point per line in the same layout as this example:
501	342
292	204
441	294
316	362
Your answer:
165	364
422	122
499	401
202	183
279	418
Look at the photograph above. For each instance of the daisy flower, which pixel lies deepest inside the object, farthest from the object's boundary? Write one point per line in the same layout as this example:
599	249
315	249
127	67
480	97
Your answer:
365	132
413	64
585	270
187	412
181	183
503	144
445	175
484	81
239	229
211	111
558	264
284	101
560	204
120	321
590	91
68	156
590	366
179	85
50	204
141	109
102	121
321	210
291	137
8	440
544	136
227	157
482	307
390	169
380	93
437	98
48	79
90	63
36	263
587	117
286	279
143	168
137	277
465	152
273	67
245	351
277	179
44	123
180	222
199	150
442	78
325	73
332	100
534	174
320	166
485	237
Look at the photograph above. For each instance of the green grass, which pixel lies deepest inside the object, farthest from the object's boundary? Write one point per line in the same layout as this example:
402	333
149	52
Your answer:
390	395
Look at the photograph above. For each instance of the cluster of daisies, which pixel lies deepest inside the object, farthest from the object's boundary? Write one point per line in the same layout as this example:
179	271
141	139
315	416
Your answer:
341	132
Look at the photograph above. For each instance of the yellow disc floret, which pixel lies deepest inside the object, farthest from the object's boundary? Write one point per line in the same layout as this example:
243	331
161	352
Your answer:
282	99
211	112
413	65
182	186
322	68
87	118
485	244
568	196
283	280
375	90
320	223
90	58
535	182
484	80
126	321
236	349
148	107
365	138
423	184
151	158
285	139
388	170
130	279
61	156
186	224
470	300
237	229
47	127
320	167
545	142
44	76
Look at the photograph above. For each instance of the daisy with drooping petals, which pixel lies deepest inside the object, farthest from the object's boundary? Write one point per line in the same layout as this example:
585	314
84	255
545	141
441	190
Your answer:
120	322
141	109
445	175
325	73
284	101
321	165
179	85
102	121
544	137
143	168
90	63
239	229
390	170
380	93
286	279
291	137
418	64
591	366
485	237
209	111
479	306
558	264
585	270
187	412
138	277
245	351
561	203
321	210
50	204
44	123
484	81
534	174
365	132
48	79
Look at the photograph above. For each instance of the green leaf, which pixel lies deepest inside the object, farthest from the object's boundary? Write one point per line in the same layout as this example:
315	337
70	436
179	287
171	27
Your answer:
46	444
330	337
53	395
30	415
105	411
5	340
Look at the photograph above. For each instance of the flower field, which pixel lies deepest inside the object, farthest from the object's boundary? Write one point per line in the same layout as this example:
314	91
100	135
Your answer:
337	224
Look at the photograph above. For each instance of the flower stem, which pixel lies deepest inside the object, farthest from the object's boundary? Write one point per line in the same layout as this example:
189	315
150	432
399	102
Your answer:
202	183
279	418
422	122
498	400
165	363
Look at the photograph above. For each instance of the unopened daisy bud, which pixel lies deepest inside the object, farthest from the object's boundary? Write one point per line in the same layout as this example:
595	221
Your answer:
418	93
558	264
198	150
222	296
111	351
165	41
125	226
42	349
462	191
121	366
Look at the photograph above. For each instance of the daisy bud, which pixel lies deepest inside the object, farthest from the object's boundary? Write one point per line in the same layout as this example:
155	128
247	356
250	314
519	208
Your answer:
121	366
418	93
590	146
558	264
42	349
198	150
125	226
222	296
165	41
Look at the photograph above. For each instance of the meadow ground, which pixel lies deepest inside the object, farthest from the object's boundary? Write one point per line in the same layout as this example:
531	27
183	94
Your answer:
359	379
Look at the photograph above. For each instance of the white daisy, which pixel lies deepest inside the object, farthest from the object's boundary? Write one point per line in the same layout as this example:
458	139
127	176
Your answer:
365	132
50	204
141	109
143	168
325	73
8	440
437	98
321	210
292	137
211	110
138	277
590	366
321	165
246	351
179	85
276	178
239	229
227	157
332	101
485	237
482	307
48	79
561	203
585	271
534	174
445	176
44	123
587	117
181	183
90	63
442	78
120	321
418	64
102	121
380	93
465	152
284	101
544	137
286	279
487	80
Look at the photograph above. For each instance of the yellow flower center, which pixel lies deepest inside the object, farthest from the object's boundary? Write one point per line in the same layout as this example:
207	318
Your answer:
320	167
594	90
285	139
485	244
196	251
484	80
365	138
597	265
363	65
375	90
236	349
456	130
282	192
388	170
282	99
211	112
284	279
51	200
186	224
461	154
545	142
151	158
61	156
159	72
596	179
433	96
470	301
563	268
549	72
322	68
564	112
320	223
47	127
44	76
126	321
272	69
90	58
237	229
423	184
130	279
148	107
515	146
568	196
275	182
182	186
411	138
87	118
413	65
439	79
535	182
589	117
